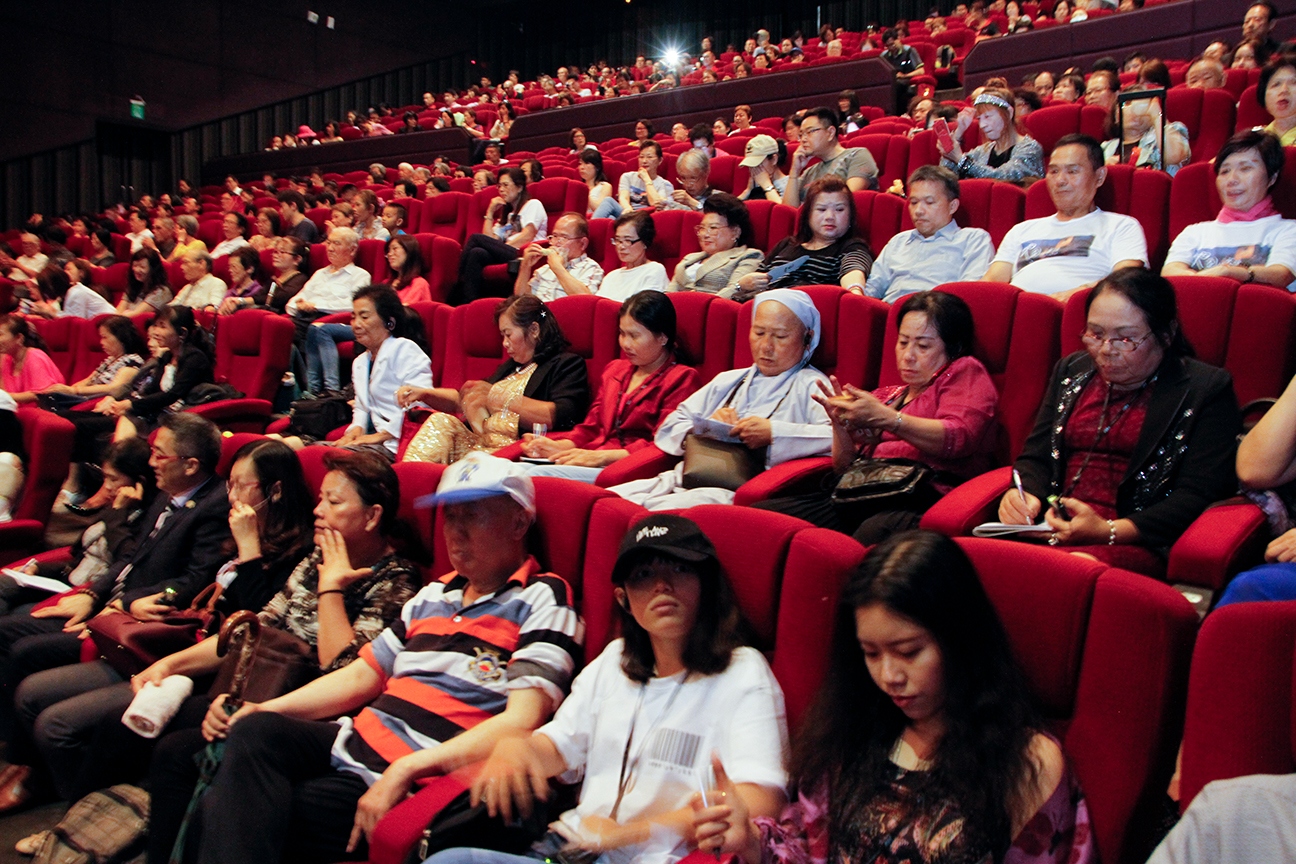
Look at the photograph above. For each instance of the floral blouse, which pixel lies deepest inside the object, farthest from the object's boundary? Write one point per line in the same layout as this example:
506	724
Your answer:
372	603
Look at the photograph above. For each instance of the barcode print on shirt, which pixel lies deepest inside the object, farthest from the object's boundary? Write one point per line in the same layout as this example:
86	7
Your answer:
672	748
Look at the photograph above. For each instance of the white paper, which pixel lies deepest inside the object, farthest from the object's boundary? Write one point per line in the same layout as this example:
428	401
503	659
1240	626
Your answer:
1002	529
40	583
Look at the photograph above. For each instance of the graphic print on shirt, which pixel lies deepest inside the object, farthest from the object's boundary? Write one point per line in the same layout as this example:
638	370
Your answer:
1248	255
1070	247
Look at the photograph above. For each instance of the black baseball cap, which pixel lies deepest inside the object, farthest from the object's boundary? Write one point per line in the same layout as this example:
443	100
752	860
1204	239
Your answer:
662	534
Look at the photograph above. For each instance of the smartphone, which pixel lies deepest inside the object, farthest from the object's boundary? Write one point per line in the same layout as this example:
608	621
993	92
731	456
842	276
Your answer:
943	135
1059	509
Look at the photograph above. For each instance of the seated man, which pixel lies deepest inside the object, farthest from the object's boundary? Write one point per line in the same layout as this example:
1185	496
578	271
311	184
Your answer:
491	647
1078	245
566	269
201	289
292	209
1205	74
330	288
1248	818
937	250
819	138
27	266
906	62
693	171
164	237
492	156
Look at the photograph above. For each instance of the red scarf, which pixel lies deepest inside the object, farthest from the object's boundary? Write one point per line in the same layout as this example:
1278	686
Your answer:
1261	210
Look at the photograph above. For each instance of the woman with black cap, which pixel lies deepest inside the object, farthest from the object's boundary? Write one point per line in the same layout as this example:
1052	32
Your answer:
646	716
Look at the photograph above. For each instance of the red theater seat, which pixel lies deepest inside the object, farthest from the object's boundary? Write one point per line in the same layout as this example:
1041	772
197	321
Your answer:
1194	198
1208	114
47	438
252	349
891	152
1250	112
473	347
446	215
878	216
590	325
440	262
62	337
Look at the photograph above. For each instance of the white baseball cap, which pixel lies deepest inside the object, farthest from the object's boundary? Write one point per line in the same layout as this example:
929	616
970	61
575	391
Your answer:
480	475
759	148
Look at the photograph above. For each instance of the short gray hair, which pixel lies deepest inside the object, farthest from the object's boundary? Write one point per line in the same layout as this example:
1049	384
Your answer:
188	223
346	235
693	159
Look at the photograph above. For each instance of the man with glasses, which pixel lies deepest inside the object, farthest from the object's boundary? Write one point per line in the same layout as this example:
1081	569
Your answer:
693	171
1080	243
818	137
562	267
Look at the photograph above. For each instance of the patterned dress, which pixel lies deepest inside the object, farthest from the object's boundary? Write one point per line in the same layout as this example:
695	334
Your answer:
444	438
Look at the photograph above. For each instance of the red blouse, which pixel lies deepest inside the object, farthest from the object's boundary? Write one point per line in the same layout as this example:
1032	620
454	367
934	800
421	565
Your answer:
627	421
1109	458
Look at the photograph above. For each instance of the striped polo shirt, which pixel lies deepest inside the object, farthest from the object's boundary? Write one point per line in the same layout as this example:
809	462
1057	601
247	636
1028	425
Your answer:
447	666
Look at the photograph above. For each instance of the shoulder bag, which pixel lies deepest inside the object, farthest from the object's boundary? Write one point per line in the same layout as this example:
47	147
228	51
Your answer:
130	645
713	464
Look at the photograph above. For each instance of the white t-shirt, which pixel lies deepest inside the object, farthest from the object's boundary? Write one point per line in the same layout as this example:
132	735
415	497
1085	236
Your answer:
737	714
1267	241
1048	255
532	213
622	284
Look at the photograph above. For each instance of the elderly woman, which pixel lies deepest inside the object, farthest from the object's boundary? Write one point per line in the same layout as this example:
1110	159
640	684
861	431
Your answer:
825	244
726	237
268	227
1005	155
764	413
1276	93
186	239
542	384
637	392
1134	438
632	235
247	281
235	228
1135	127
1249	241
940	422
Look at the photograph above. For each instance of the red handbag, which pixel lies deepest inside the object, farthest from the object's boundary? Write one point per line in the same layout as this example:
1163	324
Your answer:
130	645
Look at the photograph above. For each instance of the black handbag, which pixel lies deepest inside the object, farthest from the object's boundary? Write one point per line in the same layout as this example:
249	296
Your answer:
875	479
316	418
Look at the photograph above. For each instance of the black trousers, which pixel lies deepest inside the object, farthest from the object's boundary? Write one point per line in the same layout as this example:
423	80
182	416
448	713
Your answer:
479	252
275	798
869	522
28	645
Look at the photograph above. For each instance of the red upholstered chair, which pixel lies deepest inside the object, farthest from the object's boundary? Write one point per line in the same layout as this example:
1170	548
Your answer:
441	263
319	215
1049	124
1136	192
1239	718
729	146
988	204
62	338
47	439
1208	114
413	213
1250	112
676	236
1107	654
231	443
91	353
560	195
113	278
446	215
473	346
877	217
252	349
705	331
891	152
723	168
590	325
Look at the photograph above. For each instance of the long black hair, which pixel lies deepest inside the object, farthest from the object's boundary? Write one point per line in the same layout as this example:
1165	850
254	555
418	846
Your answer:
192	336
287	533
655	311
157	276
982	762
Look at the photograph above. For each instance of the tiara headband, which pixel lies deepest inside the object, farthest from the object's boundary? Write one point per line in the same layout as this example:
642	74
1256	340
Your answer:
997	101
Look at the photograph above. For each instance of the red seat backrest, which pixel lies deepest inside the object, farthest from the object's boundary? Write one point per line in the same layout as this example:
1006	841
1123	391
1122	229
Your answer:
590	325
1250	112
446	215
62	338
992	205
91	353
47	438
252	351
474	349
1049	124
676	236
723	167
877	217
436	324
760	211
319	215
1208	114
1138	192
440	263
413	213
891	152
705	331
559	195
1016	338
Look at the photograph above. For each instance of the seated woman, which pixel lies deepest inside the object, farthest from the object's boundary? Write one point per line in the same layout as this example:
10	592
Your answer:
765	412
726	237
513	220
924	743
292	269
541	384
186	241
335	593
637	392
267	229
1134	436
825	239
589	164
578	140
81	300
681	662
942	418
763	158
247	281
394	359
1006	154
25	368
1249	241
632	235
101	254
123	350
1134	136
406	261
503	121
183	361
1273	92
235	228
147	290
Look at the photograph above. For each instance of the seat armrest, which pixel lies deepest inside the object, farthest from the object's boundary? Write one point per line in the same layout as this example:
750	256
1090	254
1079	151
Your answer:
796	477
397	832
966	506
1220	543
640	465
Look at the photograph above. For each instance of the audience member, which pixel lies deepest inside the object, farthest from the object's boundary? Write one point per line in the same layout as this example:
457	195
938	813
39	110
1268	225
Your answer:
330	288
726	238
1080	243
1143	136
1258	25
25	368
589	164
512	220
235	228
566	269
137	225
1069	88
186	227
292	208
1006	155
632	236
367	224
1161	425
906	62
1246	55
202	289
291	259
1276	93
693	171
765	179
268	227
936	250
1102	88
146	284
818	135
81	300
639	189
1205	74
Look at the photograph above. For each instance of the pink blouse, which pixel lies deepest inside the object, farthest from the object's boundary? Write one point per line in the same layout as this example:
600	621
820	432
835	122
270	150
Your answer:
38	372
417	291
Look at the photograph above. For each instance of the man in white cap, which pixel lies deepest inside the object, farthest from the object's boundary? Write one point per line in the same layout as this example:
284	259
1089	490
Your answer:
762	159
488	648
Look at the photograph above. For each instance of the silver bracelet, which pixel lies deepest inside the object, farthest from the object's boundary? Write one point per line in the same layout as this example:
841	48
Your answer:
895	427
1111	532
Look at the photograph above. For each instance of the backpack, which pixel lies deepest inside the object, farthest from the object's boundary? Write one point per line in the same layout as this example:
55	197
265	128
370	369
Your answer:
105	827
318	417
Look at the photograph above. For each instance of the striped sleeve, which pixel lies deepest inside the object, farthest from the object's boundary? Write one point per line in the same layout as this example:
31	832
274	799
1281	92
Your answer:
381	652
856	255
549	640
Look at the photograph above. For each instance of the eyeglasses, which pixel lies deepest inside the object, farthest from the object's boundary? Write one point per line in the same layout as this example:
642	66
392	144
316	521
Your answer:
1118	344
710	230
624	241
163	457
805	133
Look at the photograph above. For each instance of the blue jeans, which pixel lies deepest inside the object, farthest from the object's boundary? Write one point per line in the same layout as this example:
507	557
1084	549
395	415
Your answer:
1266	582
322	355
608	208
466	855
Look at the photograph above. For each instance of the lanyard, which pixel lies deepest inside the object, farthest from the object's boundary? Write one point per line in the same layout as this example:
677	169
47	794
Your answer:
627	766
1102	432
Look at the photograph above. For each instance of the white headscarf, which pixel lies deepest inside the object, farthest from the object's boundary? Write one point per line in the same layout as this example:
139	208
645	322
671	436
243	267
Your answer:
800	305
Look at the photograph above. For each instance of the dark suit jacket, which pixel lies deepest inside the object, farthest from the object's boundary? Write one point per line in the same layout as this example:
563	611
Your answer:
185	554
562	380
